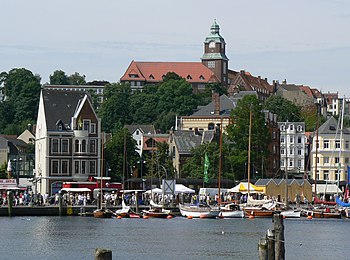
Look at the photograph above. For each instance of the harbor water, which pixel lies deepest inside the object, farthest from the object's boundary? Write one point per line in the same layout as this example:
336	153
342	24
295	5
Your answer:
178	238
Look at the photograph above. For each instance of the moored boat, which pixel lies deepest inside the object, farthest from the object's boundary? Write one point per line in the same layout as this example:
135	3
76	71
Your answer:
103	213
258	212
198	211
231	210
326	213
291	213
157	213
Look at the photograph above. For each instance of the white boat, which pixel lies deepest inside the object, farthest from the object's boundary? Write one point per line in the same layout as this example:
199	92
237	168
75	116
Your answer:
231	210
291	213
199	211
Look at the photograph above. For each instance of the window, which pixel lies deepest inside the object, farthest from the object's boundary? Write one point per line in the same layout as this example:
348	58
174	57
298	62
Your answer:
291	139
54	148
300	128
54	167
211	126
336	159
299	163
299	151
282	127
291	163
291	151
325	160
282	163
274	149
76	167
282	151
337	175
92	167
273	135
83	146
83	167
346	144
76	146
337	144
65	146
92	148
291	127
299	139
137	132
347	160
64	167
86	125
326	144
211	64
282	139
326	175
93	128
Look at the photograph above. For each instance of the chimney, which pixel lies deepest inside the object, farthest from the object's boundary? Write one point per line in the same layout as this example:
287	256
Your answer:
216	100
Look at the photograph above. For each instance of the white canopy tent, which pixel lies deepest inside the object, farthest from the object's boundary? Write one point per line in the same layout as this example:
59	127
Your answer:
179	188
243	188
329	189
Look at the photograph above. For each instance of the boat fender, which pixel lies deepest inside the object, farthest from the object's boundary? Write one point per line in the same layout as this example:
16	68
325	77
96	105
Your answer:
189	217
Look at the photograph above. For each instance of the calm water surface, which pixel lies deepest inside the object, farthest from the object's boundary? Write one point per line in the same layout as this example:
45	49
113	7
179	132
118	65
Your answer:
177	238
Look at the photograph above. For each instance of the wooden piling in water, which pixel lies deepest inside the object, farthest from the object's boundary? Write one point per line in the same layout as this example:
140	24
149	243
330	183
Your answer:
103	254
270	244
279	236
10	202
263	249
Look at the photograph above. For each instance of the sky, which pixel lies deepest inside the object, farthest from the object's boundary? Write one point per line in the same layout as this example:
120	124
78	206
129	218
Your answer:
303	41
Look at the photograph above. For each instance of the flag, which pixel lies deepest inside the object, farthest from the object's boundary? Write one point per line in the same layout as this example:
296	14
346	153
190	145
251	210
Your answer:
206	168
348	175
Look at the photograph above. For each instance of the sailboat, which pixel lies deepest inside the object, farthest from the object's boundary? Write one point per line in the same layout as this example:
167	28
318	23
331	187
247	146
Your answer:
255	211
101	212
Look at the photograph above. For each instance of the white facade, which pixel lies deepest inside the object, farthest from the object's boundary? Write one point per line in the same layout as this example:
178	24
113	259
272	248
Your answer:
292	146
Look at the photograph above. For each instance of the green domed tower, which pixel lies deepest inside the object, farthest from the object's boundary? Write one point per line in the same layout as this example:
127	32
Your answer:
214	56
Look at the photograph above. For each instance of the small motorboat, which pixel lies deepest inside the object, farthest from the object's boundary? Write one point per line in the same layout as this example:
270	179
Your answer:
326	213
103	213
231	210
259	212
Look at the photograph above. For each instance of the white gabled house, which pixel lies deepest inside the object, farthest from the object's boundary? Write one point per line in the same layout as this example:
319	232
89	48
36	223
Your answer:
67	140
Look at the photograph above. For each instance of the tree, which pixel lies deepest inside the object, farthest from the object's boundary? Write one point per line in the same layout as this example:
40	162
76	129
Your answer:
3	171
59	77
285	109
114	154
22	90
76	79
115	110
238	135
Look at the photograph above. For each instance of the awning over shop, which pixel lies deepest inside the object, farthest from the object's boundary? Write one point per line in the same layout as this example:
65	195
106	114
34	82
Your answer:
76	189
326	189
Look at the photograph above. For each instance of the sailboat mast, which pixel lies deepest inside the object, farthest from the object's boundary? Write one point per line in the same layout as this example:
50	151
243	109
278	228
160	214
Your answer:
220	164
102	165
286	162
249	145
316	155
340	140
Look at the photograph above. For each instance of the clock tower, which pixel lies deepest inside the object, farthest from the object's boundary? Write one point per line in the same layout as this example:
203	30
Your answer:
214	56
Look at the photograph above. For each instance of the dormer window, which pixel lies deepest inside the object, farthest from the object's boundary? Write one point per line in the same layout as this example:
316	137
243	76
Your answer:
133	76
151	76
189	77
201	77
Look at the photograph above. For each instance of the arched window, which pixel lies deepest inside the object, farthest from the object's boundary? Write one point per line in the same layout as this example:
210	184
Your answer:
211	126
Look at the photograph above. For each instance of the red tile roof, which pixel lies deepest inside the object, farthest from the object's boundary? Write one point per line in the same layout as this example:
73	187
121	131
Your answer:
193	72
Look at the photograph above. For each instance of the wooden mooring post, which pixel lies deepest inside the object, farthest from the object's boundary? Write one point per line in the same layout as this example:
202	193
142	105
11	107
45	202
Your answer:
10	202
272	247
103	254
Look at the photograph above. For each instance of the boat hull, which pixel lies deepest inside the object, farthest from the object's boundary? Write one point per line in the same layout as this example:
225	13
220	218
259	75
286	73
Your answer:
324	214
232	214
198	212
291	213
258	212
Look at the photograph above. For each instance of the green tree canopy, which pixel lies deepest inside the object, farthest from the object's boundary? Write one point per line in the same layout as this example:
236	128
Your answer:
115	110
283	108
114	154
59	77
238	135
